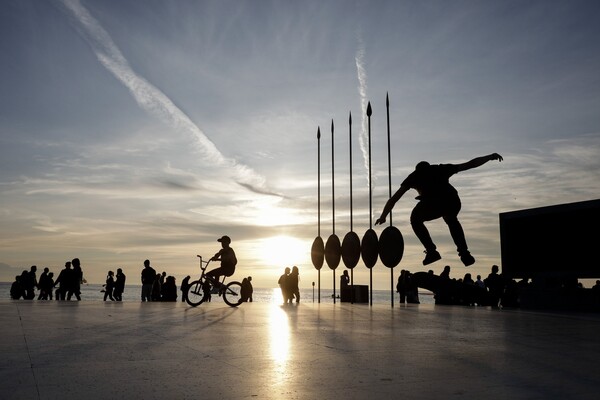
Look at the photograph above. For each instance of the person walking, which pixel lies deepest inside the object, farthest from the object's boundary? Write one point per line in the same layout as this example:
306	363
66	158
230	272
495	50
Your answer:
65	277
437	199
110	286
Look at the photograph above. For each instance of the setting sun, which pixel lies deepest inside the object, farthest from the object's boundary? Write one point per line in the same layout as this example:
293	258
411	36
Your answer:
279	251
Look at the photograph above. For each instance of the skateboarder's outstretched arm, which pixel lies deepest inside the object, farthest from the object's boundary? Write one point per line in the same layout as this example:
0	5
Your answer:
478	161
390	204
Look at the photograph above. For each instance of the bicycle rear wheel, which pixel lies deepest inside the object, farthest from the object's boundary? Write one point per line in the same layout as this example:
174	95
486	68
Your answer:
232	294
195	294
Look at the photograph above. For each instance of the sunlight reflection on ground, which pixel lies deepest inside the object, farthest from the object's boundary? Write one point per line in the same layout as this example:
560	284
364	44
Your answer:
279	332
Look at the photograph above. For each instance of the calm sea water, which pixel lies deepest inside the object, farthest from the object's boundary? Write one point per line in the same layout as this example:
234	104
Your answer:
93	292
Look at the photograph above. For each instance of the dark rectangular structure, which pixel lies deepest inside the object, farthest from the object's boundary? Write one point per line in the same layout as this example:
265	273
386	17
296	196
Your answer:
360	292
552	242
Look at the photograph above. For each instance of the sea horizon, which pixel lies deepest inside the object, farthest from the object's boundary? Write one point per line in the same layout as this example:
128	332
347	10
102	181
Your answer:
94	292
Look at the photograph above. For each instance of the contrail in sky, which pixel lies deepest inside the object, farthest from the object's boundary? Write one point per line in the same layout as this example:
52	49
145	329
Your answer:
151	99
362	91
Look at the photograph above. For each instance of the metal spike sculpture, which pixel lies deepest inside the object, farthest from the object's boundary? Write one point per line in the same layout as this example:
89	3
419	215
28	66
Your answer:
317	252
369	244
391	242
333	246
389	247
351	242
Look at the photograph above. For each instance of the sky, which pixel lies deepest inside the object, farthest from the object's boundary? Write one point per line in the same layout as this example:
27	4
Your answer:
137	130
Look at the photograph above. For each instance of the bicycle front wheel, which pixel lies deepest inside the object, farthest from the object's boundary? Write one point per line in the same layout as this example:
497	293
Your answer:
232	294
195	294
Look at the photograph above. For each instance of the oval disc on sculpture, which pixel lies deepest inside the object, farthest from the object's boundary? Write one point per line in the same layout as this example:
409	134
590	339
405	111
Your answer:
317	252
351	250
391	246
333	251
369	248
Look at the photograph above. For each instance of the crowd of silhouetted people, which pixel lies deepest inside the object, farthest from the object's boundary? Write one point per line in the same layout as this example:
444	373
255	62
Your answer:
159	286
66	285
490	291
497	290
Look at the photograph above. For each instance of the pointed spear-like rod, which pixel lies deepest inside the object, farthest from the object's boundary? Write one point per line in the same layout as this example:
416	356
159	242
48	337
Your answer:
387	106
332	178
333	196
351	215
350	142
319	207
319	178
369	113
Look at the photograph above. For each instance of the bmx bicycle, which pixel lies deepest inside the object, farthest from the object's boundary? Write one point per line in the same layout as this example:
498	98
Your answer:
201	290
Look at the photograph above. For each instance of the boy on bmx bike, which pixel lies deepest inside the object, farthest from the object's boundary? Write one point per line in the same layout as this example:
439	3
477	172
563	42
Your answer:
228	260
210	282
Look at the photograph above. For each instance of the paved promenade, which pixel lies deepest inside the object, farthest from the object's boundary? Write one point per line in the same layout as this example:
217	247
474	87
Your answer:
96	350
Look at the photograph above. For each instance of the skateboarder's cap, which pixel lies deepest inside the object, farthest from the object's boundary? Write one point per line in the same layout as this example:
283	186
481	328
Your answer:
224	239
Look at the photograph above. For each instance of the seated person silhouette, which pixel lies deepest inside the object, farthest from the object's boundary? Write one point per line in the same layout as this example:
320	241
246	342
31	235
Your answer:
437	199
228	261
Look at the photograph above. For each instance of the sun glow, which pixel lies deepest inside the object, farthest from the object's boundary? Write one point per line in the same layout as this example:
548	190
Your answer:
283	251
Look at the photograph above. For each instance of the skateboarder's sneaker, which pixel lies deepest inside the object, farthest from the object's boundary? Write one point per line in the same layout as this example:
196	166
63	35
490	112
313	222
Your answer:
467	259
431	256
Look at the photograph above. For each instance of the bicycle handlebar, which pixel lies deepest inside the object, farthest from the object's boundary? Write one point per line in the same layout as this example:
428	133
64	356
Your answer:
203	262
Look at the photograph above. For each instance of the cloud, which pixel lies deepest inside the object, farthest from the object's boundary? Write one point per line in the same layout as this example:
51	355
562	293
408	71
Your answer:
152	100
258	191
362	91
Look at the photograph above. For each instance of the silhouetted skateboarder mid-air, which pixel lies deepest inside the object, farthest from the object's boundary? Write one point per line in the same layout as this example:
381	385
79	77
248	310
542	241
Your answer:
437	198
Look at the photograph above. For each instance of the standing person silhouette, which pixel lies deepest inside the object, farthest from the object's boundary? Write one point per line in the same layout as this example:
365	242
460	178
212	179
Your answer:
284	285
31	283
495	285
437	198
344	280
148	276
119	285
245	290
185	286
43	285
77	280
250	289
293	280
